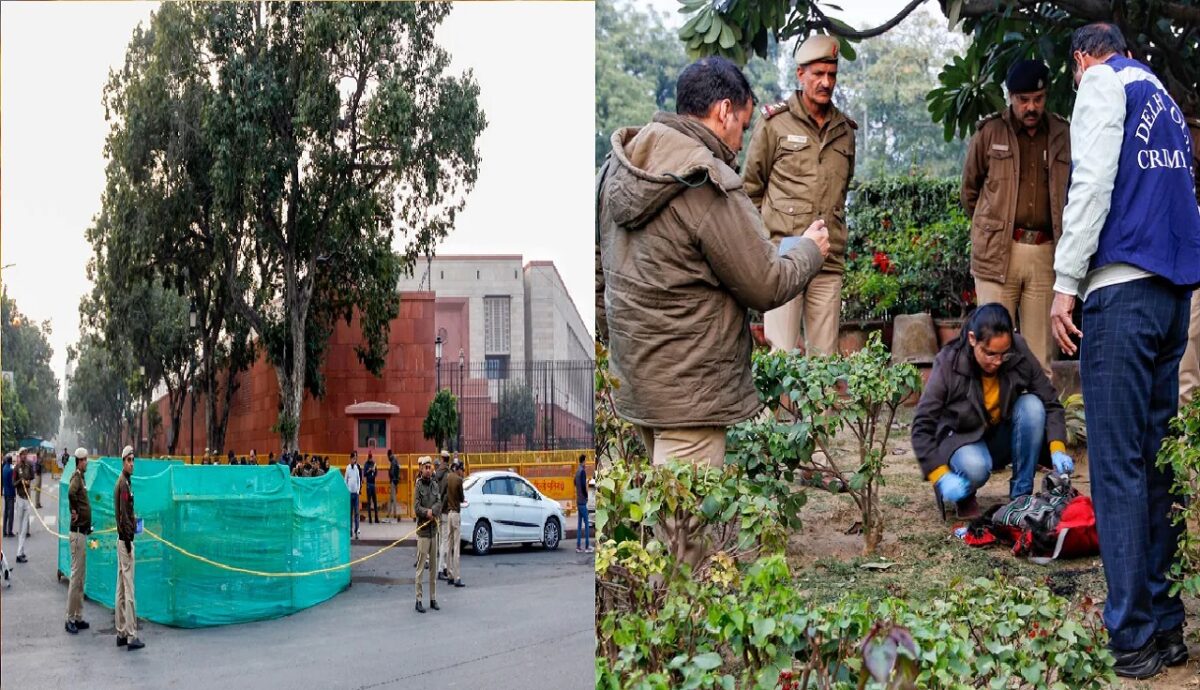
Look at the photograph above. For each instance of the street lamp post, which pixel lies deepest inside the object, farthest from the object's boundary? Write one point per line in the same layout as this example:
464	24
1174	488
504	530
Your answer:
437	355
462	360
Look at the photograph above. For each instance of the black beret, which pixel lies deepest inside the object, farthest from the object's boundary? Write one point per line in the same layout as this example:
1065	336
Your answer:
1027	75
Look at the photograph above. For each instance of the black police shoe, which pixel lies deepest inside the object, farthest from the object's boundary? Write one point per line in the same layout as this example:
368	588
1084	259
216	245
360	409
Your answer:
433	605
71	628
82	625
420	609
22	559
135	643
1138	663
459	583
1171	648
121	641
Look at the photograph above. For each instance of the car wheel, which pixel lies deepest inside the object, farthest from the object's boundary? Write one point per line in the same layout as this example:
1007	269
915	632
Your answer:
551	534
481	540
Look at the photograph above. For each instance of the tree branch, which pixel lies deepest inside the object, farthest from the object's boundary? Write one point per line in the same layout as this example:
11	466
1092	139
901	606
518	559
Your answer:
825	23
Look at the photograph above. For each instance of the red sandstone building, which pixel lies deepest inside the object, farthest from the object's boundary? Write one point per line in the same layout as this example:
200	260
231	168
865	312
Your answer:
514	351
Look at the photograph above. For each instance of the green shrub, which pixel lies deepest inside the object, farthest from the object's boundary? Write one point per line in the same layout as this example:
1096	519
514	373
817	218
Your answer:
909	250
1180	452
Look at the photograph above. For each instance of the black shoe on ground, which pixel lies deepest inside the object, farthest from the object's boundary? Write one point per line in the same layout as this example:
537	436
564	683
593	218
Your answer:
71	628
1139	663
441	575
433	605
22	559
420	609
135	643
459	583
121	641
1171	648
82	625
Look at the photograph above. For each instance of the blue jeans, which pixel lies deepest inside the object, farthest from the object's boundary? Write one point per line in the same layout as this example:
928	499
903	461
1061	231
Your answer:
581	529
1134	336
354	514
1018	440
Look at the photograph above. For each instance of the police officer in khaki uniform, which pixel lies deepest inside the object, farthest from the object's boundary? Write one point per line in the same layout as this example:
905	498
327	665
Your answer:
1014	188
1189	366
798	166
427	499
81	527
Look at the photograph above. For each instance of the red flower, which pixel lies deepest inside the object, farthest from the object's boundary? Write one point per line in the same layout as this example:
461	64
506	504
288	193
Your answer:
882	262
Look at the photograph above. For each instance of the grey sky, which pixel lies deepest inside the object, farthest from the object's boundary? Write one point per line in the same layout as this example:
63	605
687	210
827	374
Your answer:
534	64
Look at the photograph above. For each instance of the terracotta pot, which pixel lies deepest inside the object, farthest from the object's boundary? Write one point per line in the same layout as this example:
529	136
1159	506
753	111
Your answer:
759	335
914	341
851	338
947	330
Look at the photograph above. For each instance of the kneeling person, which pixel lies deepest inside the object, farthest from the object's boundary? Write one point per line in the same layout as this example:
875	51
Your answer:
987	404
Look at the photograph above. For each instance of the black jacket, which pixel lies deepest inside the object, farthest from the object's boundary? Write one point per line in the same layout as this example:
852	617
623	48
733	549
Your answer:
951	412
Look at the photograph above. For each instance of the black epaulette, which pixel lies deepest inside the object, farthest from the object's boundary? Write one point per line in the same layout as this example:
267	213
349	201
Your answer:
1060	118
770	111
850	120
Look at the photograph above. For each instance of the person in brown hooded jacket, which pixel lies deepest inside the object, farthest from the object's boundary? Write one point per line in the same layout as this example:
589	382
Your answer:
123	607
684	255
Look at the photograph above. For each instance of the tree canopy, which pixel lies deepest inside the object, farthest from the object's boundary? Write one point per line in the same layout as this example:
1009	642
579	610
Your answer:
1165	34
263	159
34	394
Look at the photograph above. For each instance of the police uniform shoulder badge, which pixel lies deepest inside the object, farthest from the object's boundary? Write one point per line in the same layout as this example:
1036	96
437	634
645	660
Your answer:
770	111
986	120
850	121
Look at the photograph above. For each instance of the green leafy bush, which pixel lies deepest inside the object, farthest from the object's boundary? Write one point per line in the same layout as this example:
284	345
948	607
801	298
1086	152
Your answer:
909	250
1180	452
817	397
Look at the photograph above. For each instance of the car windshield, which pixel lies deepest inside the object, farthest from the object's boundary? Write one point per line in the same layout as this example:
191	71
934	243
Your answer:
471	481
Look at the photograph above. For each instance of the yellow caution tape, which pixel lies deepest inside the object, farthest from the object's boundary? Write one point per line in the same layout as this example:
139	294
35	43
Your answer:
92	544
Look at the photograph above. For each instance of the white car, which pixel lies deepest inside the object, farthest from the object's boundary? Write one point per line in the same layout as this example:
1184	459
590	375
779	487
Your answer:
504	508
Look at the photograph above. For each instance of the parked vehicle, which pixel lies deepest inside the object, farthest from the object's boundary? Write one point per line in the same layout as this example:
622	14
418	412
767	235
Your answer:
502	507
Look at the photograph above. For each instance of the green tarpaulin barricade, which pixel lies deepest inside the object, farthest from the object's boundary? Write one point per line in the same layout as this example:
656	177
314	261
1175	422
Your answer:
257	518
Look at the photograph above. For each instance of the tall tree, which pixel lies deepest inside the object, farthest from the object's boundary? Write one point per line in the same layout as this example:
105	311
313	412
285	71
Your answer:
99	394
25	351
1163	33
884	89
287	144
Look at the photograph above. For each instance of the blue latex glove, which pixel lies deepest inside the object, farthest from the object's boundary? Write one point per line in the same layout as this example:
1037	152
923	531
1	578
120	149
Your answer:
953	487
1062	462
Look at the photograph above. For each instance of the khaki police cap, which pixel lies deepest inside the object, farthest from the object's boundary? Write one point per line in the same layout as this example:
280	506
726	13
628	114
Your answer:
817	48
424	460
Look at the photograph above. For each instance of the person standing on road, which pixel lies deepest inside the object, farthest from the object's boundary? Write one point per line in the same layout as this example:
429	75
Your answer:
354	485
453	519
394	481
1014	186
369	472
684	254
443	469
123	608
23	483
38	468
428	503
1130	251
582	538
81	526
10	495
799	164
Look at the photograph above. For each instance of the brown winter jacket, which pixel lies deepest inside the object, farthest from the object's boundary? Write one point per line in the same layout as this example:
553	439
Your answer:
81	507
989	188
123	509
684	255
951	412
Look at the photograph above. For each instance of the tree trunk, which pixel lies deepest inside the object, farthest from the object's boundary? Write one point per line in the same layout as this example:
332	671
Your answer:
290	374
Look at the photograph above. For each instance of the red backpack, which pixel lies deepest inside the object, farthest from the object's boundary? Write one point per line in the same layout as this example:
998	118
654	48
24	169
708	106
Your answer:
1057	522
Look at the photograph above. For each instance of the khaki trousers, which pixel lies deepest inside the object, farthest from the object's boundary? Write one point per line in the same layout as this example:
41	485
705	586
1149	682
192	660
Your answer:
685	539
123	607
24	512
1027	294
427	551
1189	366
78	577
818	308
392	500
700	444
453	521
443	540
